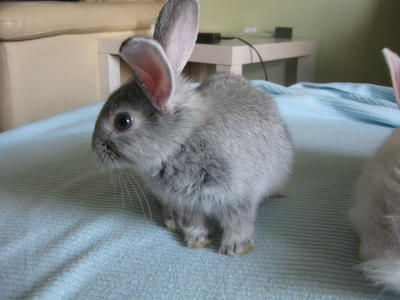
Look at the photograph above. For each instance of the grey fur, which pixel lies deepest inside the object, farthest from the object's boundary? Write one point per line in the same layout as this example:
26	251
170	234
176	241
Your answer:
376	211
376	215
176	30
210	158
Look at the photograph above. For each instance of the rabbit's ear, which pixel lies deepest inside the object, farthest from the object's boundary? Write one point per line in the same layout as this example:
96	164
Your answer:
151	69
393	61
176	30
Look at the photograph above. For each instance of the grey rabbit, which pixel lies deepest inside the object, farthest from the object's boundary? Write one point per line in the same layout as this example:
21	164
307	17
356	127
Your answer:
209	154
376	210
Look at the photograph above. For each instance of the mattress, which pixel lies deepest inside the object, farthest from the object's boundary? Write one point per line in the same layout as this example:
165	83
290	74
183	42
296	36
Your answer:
71	229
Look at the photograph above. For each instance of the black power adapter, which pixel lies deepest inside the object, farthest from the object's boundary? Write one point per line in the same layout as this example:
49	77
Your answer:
283	32
208	38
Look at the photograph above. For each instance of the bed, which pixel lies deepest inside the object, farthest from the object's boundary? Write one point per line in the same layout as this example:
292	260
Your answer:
70	229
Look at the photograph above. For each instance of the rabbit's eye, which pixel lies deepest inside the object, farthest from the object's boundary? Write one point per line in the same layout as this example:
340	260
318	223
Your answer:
123	121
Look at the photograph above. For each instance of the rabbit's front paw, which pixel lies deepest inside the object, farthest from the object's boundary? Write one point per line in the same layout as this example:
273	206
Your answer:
170	218
170	223
236	247
197	241
196	230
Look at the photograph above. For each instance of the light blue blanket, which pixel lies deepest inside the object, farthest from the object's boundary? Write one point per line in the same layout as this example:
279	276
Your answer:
70	230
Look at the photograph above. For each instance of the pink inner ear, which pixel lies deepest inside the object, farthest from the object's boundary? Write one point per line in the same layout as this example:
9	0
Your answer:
155	78
151	68
393	61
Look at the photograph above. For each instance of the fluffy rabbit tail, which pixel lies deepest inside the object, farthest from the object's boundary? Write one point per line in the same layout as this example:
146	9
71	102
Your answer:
384	270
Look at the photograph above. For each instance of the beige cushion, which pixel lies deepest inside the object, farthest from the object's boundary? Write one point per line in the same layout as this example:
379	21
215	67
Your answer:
27	20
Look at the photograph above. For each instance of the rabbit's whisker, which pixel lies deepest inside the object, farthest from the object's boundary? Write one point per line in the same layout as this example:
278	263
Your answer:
138	185
138	197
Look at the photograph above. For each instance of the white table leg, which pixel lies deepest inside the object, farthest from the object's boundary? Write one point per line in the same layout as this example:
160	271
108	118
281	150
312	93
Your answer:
290	71
300	69
238	69
110	74
306	68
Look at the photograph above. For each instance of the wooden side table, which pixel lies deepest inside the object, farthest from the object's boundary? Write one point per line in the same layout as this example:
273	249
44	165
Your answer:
228	56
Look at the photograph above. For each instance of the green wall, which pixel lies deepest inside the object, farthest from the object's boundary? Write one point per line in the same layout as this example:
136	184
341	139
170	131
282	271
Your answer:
350	33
